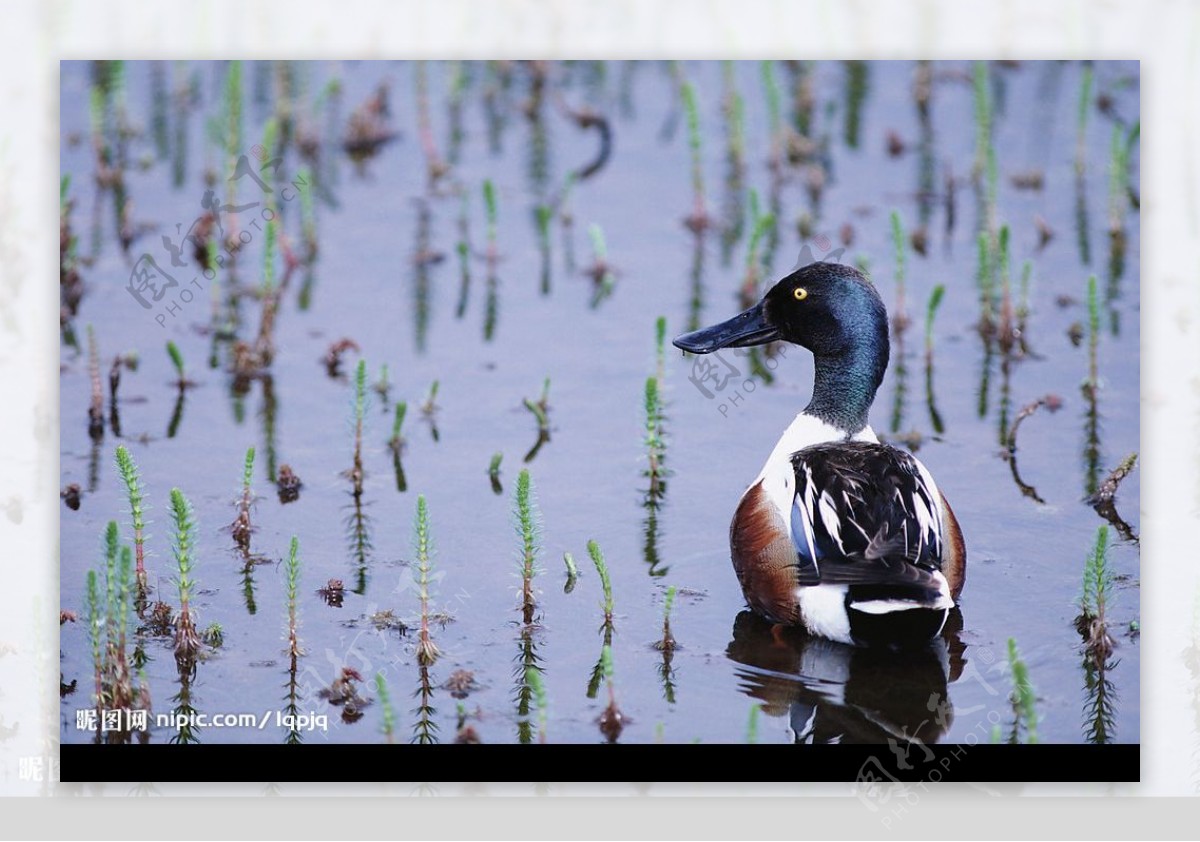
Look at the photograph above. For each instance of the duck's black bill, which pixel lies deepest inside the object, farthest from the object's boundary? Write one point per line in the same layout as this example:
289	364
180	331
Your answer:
745	329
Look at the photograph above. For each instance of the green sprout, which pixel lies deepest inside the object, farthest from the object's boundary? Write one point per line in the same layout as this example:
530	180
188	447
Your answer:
528	521
605	581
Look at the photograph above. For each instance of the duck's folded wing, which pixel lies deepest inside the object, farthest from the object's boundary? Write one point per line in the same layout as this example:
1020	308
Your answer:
864	514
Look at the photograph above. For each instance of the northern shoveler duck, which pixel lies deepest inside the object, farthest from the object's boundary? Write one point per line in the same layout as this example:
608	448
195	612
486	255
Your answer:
839	533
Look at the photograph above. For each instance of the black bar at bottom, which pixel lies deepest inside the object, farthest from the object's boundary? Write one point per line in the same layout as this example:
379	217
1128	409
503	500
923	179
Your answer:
865	765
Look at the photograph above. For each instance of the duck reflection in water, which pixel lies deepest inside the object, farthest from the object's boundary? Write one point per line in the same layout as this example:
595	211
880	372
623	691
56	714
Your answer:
835	693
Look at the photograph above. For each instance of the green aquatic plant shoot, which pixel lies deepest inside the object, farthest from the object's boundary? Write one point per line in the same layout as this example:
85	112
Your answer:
900	319
540	408
360	406
396	442
177	361
983	115
1007	327
1092	623
655	444
698	220
1024	699
427	650
385	703
660	357
1085	100
1120	150
111	551
493	214
528	520
308	212
774	111
1093	304
984	280
292	569
935	301
494	465
241	527
429	406
233	109
605	581
186	639
760	225
1023	295
96	405
214	635
95	625
135	494
752	725
601	270
668	639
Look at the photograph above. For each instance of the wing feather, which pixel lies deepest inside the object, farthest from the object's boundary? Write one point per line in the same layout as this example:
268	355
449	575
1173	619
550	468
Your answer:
864	514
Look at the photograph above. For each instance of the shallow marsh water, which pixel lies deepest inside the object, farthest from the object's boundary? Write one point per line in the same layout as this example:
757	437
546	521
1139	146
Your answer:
1026	549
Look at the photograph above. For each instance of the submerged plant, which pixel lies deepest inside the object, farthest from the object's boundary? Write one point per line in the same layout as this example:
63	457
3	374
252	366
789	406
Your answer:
533	678
611	721
528	521
427	651
135	494
187	641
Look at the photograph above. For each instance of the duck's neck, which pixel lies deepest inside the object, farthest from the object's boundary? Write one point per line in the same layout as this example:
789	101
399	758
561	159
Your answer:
845	384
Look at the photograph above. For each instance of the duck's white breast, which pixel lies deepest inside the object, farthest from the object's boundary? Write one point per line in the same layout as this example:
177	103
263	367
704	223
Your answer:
778	477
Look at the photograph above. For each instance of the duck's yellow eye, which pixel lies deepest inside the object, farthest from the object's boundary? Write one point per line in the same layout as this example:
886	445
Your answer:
800	293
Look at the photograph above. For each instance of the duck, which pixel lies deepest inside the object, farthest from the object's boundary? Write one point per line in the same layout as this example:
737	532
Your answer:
839	533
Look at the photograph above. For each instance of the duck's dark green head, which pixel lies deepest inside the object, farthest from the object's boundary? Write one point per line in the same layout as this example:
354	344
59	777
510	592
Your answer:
827	308
833	311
